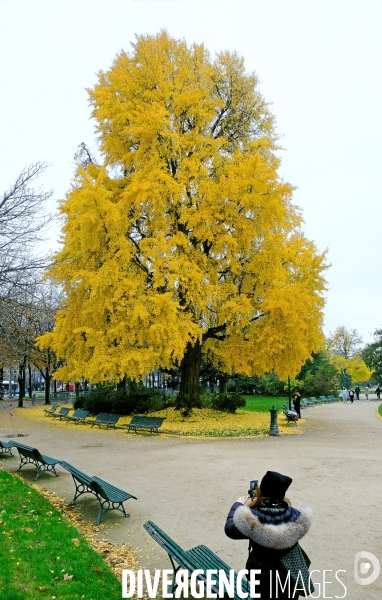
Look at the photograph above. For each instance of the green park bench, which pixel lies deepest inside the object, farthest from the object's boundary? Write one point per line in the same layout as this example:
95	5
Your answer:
78	416
209	560
108	496
324	399
305	403
314	400
63	412
33	456
109	420
332	398
150	423
290	415
5	447
50	411
199	558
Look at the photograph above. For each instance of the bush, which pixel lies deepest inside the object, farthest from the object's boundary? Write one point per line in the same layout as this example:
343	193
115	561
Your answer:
137	399
206	400
267	385
323	382
227	402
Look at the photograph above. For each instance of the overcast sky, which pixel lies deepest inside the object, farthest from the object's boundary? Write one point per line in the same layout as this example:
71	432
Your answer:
318	61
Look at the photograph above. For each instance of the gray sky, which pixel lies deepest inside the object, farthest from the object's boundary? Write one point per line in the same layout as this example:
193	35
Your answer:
318	61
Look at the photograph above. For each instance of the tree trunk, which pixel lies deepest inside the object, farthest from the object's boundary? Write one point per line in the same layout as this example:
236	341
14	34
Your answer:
47	386
222	384
29	381
77	389
2	383
21	381
188	396
121	385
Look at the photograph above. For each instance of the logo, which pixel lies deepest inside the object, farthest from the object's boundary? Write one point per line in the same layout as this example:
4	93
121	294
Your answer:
363	561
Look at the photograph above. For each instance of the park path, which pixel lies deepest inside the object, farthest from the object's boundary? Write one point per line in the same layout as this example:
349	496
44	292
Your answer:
186	486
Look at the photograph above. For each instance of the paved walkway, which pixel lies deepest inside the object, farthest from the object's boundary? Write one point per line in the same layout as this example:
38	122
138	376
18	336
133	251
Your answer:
187	486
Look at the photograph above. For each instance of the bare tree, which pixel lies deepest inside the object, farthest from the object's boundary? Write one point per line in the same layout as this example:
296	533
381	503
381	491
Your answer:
28	315
344	342
23	222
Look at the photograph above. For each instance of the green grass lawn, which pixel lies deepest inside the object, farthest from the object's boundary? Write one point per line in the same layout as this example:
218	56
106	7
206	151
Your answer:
263	403
380	409
42	555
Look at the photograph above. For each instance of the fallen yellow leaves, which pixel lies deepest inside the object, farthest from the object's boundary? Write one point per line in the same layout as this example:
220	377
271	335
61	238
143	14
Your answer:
97	569
204	422
117	557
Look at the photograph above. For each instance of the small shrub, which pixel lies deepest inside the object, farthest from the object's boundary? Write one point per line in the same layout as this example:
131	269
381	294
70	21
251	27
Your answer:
97	401
227	402
206	400
139	399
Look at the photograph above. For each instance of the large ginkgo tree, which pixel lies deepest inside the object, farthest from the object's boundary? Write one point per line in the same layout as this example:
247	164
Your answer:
185	239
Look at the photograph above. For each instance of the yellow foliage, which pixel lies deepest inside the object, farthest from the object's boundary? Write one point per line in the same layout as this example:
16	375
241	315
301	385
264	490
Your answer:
186	232
355	367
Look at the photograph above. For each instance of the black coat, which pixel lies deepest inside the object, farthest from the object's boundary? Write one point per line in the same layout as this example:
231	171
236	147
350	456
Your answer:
273	530
297	404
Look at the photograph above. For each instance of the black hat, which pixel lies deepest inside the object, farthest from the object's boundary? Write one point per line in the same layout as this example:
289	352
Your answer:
274	485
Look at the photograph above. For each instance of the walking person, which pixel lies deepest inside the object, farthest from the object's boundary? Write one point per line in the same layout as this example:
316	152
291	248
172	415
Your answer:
367	390
351	396
273	528
344	394
297	403
357	392
378	392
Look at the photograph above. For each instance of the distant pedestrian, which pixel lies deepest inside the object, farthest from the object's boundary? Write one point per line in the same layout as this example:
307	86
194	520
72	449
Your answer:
344	394
357	392
351	396
378	392
297	403
367	390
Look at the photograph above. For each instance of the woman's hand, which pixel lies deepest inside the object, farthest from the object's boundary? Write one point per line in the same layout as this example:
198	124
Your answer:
242	499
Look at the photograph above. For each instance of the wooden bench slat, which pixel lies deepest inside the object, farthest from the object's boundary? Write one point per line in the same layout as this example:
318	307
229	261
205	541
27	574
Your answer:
5	447
107	419
175	552
29	455
198	558
151	423
48	411
77	416
63	412
209	560
107	495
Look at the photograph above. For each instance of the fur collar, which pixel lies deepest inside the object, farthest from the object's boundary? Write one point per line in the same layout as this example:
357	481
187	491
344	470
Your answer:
278	537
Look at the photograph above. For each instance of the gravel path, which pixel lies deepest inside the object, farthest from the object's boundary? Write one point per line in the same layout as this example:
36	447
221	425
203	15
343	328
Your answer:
186	486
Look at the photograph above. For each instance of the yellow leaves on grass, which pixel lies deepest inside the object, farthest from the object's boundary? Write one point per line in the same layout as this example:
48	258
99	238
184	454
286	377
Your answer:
202	422
117	557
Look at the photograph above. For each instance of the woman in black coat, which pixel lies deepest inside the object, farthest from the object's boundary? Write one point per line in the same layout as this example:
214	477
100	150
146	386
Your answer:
297	403
273	528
